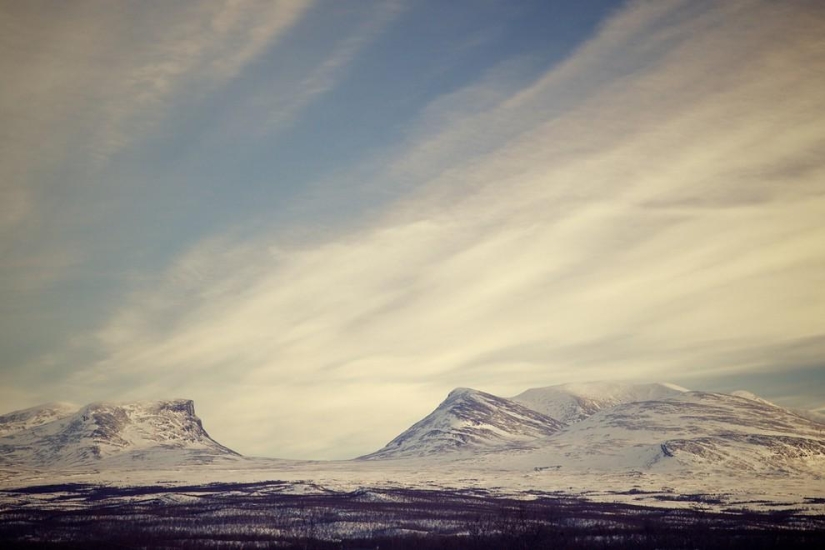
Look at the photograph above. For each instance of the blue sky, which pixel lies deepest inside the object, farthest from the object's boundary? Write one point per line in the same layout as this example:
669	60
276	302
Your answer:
318	217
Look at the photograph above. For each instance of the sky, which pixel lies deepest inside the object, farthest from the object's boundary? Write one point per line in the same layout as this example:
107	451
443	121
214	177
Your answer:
316	218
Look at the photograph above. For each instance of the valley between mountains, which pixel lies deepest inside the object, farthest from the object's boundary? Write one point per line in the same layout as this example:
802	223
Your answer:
657	444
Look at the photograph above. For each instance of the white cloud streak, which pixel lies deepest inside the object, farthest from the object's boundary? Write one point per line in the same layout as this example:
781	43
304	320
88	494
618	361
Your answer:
652	205
78	90
323	79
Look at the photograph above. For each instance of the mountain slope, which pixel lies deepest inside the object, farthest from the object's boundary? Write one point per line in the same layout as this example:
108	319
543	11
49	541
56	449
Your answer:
694	431
469	420
810	415
18	421
618	428
149	432
575	402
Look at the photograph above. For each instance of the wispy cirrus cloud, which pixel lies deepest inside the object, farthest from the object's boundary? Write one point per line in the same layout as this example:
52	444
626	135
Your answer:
85	85
283	109
650	206
88	79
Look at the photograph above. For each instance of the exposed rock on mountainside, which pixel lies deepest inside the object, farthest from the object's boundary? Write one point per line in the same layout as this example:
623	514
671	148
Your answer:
617	427
157	432
602	427
694	430
469	420
18	421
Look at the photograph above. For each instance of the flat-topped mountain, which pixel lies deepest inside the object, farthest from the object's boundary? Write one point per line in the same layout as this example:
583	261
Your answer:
157	432
574	427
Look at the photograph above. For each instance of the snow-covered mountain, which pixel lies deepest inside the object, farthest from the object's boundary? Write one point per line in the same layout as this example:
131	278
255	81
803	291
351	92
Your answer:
616	427
691	431
469	420
752	396
596	427
155	433
810	415
18	421
574	402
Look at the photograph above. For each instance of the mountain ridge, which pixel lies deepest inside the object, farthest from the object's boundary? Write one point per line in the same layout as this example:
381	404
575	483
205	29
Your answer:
468	419
600	425
168	430
624	427
23	419
574	402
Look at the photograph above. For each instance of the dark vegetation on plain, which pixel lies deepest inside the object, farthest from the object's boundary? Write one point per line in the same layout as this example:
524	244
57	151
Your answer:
264	515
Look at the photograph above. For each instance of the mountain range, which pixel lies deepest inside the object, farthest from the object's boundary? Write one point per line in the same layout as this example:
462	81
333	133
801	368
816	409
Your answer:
597	426
615	427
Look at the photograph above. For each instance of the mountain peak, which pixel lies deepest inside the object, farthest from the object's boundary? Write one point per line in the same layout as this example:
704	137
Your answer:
177	404
615	426
468	419
576	401
106	430
463	393
32	417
